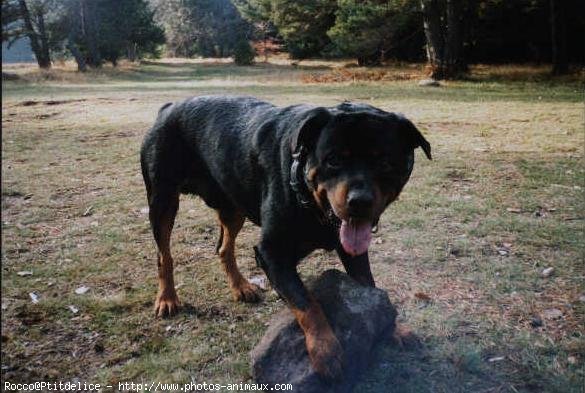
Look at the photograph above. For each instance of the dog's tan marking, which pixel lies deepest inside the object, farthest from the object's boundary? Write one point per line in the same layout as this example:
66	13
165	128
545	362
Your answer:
242	290
324	350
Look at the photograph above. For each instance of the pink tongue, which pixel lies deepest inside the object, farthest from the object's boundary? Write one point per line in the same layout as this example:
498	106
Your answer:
355	238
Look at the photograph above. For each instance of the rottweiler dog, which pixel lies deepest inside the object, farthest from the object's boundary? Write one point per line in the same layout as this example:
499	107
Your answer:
310	177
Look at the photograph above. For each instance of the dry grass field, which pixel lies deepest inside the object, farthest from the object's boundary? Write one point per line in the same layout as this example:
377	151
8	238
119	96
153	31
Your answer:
461	254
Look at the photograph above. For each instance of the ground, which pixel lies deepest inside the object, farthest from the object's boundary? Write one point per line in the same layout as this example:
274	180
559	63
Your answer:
461	254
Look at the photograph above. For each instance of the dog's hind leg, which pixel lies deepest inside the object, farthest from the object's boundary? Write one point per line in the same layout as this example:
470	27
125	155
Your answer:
163	205
242	290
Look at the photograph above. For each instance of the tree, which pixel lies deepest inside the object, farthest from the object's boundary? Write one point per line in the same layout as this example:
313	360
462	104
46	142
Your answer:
368	30
558	25
34	28
304	25
444	40
257	13
94	31
210	28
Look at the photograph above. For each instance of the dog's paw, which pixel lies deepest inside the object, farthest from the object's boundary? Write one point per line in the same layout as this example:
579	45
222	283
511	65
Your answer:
326	355
247	292
167	304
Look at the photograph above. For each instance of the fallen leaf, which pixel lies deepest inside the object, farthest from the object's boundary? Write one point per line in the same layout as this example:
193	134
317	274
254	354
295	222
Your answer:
513	210
88	211
34	297
422	296
81	290
536	322
25	273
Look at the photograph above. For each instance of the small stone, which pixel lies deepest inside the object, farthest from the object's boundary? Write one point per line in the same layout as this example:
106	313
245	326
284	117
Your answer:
553	313
582	298
496	359
572	360
503	252
73	309
25	273
82	290
144	210
548	272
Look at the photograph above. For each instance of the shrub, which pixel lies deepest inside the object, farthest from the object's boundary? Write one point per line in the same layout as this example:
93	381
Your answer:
244	53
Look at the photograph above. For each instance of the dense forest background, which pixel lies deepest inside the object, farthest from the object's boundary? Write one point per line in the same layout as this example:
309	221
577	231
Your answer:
449	34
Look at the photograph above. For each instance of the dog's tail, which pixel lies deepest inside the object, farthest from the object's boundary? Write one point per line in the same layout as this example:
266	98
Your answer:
146	145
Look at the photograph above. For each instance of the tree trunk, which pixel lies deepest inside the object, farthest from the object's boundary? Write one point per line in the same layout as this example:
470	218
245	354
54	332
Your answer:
559	37
434	36
44	41
131	51
89	32
443	28
79	59
454	62
43	58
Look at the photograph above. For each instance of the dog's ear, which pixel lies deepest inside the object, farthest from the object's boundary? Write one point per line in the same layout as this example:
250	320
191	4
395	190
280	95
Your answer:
418	140
308	128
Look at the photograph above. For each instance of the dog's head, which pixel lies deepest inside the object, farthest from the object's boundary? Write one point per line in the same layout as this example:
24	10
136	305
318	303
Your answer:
358	159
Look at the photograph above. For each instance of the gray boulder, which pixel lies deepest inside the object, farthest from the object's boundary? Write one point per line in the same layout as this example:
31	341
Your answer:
361	317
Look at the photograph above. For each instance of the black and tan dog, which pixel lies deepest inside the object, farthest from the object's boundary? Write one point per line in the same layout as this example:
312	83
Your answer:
311	177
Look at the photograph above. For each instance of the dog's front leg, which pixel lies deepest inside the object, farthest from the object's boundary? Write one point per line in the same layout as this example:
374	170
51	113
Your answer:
324	350
357	267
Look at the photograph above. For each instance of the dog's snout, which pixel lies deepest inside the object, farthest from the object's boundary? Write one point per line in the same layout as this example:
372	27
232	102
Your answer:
359	202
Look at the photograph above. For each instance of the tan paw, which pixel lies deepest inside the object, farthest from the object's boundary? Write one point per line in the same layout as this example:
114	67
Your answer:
167	304
247	292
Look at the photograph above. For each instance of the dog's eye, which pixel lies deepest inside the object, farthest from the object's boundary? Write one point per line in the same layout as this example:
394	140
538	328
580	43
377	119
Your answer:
333	162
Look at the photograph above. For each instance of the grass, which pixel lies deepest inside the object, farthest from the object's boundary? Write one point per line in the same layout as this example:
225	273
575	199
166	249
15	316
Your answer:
461	253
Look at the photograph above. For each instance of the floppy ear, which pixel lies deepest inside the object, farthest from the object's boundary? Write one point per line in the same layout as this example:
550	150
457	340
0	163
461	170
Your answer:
418	140
308	128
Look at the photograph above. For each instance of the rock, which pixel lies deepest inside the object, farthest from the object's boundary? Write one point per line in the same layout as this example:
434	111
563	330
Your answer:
361	317
548	272
429	82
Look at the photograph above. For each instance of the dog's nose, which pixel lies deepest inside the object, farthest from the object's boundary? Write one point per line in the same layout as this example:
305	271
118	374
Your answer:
359	202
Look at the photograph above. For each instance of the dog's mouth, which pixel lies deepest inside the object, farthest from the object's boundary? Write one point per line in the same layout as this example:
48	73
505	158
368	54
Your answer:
355	236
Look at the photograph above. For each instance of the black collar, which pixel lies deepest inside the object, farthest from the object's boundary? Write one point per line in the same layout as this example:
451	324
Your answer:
298	180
